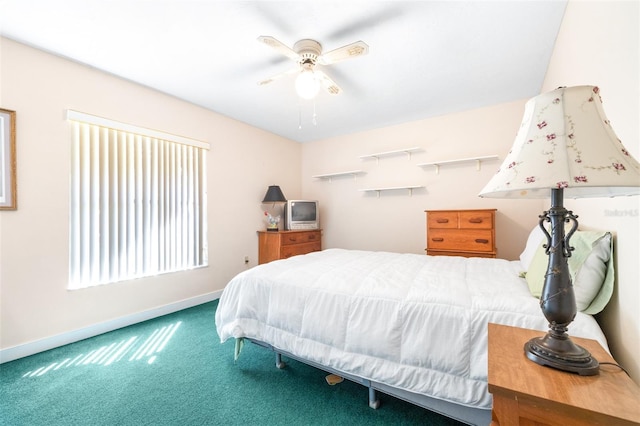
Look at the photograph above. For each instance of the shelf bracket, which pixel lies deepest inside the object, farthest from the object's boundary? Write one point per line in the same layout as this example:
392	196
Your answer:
477	160
355	177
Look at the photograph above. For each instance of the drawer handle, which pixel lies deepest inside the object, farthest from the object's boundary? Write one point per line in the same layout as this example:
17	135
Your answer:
438	240
481	241
442	220
475	220
312	237
292	239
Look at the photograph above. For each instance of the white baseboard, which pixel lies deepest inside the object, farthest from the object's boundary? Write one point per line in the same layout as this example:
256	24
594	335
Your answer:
31	348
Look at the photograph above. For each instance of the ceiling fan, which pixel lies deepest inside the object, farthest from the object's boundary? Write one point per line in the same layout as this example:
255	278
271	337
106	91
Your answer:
308	53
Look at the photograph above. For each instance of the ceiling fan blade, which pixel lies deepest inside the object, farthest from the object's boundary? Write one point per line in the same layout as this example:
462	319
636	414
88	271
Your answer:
277	76
374	19
352	50
328	83
279	46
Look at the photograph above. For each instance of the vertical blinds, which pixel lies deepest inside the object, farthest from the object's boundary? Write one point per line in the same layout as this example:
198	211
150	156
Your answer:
138	202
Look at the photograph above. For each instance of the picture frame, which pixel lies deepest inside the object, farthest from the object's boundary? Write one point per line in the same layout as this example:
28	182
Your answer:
8	174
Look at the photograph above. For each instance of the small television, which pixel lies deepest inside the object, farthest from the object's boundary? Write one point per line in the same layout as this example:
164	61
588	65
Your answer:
301	214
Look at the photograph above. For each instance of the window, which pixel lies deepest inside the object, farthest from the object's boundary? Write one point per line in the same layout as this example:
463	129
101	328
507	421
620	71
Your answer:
138	202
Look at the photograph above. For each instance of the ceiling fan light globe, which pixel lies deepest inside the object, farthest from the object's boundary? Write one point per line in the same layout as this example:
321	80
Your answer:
307	85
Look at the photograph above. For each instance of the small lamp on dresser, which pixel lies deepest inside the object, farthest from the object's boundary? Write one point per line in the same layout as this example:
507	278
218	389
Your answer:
274	195
565	147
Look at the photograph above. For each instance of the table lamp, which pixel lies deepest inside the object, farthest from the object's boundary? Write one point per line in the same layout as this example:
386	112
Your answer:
565	147
274	195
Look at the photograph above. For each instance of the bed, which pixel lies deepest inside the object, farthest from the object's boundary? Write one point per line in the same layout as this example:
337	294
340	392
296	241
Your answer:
409	325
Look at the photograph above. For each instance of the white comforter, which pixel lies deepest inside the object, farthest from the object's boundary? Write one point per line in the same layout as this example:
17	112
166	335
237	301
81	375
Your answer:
414	322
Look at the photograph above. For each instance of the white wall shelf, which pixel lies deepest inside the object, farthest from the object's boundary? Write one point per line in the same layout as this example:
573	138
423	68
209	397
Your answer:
477	160
330	176
393	188
379	155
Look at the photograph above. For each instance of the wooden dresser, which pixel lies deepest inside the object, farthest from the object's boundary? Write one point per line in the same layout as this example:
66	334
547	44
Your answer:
274	245
525	393
468	233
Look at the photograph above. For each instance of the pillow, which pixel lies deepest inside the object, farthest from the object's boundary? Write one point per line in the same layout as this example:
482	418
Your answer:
535	240
605	292
590	268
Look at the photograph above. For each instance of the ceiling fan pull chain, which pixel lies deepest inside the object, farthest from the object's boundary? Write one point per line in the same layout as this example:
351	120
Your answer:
315	122
299	116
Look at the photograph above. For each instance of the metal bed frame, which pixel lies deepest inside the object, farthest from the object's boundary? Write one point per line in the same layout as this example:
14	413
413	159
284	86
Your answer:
462	413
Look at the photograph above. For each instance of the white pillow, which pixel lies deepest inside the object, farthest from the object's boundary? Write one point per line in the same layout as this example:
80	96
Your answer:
591	275
535	240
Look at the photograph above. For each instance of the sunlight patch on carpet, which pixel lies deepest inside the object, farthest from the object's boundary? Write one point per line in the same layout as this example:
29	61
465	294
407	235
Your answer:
139	348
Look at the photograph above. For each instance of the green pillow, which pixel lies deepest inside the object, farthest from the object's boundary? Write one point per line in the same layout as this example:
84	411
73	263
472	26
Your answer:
590	266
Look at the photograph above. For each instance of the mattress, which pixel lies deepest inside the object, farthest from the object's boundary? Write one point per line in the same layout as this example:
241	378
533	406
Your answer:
414	322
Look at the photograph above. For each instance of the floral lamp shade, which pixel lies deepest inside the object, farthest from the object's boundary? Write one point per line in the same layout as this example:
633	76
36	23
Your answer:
565	141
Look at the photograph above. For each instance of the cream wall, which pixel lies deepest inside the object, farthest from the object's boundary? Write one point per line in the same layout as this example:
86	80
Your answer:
34	300
599	44
395	221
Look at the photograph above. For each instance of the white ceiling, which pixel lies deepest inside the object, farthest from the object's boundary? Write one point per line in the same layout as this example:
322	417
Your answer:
426	58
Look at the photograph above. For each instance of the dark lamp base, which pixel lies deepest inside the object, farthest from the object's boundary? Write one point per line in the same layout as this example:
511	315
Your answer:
561	354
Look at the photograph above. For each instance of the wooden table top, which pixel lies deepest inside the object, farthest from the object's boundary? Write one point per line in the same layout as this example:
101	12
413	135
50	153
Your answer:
611	393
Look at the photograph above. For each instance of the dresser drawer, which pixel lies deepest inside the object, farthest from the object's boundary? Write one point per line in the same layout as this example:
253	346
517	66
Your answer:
489	255
274	245
442	220
460	240
475	220
290	238
297	249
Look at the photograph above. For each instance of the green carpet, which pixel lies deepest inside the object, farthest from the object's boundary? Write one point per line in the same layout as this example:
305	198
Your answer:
173	370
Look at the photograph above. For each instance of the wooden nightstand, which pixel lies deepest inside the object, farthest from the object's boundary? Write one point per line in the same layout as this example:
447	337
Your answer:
468	233
525	393
274	245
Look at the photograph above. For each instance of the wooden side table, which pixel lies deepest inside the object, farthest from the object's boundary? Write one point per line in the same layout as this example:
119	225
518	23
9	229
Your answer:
525	393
